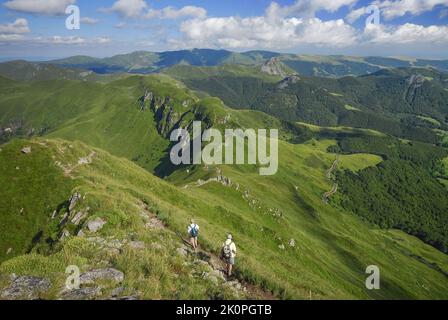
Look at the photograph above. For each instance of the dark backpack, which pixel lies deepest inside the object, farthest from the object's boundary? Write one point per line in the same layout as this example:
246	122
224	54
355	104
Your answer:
194	232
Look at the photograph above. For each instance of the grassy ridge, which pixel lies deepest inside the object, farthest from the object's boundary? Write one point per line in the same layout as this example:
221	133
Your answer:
398	102
33	187
332	248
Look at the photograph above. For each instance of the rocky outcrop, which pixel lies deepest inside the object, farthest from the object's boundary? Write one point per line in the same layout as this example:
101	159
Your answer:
164	111
137	244
92	276
26	150
288	81
71	212
182	251
274	67
415	82
87	293
225	181
292	243
96	225
74	200
26	287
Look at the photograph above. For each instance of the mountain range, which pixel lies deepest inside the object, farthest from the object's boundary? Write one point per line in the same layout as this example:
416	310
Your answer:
144	62
362	179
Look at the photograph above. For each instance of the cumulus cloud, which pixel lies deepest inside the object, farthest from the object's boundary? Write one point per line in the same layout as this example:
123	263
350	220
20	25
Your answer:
90	21
173	13
391	9
11	37
72	40
55	40
47	7
398	8
355	14
281	27
102	40
19	26
406	34
141	9
306	8
63	40
128	8
235	32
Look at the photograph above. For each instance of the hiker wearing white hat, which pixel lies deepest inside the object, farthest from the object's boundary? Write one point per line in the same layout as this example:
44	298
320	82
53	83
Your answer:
228	252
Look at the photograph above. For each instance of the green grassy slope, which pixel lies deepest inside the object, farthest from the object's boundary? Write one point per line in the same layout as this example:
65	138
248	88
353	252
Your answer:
396	101
32	188
332	247
32	71
103	115
110	116
328	260
127	197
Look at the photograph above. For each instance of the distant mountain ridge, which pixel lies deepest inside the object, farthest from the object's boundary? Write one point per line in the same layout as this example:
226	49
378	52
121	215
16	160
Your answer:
144	62
404	102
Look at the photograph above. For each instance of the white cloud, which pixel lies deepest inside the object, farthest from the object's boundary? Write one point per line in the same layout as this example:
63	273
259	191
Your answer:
391	9
281	27
398	8
102	40
128	8
173	13
19	26
63	40
263	32
11	37
70	40
355	14
90	21
406	34
278	29
140	9
48	7
306	8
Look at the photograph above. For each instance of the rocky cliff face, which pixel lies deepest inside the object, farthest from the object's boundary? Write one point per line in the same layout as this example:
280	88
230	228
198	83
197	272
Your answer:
171	114
164	111
274	67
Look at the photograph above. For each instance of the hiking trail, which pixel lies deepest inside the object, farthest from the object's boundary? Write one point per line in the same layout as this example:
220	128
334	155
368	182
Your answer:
326	196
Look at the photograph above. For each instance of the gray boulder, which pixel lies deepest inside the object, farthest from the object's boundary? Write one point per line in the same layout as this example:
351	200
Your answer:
101	274
26	150
26	287
87	293
74	200
137	245
96	225
182	251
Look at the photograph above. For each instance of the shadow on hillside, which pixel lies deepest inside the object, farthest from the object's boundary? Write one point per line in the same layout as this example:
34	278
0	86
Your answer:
165	168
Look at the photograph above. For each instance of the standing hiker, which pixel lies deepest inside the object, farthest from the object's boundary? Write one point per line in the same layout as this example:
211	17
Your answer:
228	252
193	231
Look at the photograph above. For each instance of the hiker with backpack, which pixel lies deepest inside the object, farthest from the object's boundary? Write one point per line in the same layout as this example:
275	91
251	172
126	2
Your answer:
228	253
193	231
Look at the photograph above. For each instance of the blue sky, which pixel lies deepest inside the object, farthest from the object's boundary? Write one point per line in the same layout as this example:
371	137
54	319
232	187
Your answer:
36	28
